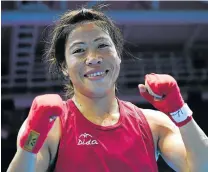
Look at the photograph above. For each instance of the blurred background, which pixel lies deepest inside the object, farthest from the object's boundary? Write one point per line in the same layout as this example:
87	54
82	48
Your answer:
160	36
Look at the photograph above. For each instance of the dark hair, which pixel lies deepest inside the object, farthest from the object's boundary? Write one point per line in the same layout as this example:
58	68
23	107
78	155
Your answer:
55	52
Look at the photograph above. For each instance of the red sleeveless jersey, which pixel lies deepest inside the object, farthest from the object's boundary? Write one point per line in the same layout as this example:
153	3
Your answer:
124	147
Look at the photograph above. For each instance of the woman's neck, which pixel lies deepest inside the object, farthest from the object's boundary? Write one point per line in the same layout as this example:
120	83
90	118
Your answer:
99	107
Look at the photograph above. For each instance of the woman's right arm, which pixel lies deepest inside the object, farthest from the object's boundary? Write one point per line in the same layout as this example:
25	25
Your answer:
36	142
25	161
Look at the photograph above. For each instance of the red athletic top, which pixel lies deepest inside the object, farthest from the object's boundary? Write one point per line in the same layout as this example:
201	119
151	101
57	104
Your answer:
124	147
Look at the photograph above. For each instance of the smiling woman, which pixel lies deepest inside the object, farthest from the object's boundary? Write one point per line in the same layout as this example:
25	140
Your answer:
93	130
92	62
69	41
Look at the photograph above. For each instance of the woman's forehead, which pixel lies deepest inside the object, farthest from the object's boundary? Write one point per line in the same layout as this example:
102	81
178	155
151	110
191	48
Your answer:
87	31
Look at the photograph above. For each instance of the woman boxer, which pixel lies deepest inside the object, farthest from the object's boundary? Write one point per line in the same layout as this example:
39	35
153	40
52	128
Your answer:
96	131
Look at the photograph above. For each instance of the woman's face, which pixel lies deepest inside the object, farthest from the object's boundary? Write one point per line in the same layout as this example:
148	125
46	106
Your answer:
92	61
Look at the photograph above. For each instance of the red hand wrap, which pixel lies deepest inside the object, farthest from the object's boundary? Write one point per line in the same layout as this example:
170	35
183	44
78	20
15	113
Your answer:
164	86
40	120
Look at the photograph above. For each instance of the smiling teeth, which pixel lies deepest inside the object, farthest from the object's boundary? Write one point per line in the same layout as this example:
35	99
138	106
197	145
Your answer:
96	74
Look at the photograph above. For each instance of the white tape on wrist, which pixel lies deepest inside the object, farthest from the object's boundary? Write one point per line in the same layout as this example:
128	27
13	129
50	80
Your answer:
181	114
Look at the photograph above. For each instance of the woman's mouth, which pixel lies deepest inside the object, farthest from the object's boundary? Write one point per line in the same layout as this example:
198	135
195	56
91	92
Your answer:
96	75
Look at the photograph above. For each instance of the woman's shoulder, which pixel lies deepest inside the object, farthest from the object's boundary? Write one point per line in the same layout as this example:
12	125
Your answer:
150	114
158	122
157	118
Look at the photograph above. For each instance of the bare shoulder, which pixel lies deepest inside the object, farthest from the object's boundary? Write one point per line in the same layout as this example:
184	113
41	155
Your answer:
159	119
160	125
170	143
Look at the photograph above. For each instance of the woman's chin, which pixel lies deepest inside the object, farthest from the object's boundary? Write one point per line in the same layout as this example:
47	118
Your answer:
96	92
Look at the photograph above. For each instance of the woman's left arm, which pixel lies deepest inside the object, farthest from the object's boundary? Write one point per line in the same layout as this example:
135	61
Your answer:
196	144
186	144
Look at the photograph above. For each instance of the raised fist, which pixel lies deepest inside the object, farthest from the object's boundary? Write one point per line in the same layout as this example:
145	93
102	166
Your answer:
42	115
162	91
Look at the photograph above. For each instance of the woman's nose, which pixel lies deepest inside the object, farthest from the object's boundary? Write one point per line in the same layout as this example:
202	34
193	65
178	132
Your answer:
93	59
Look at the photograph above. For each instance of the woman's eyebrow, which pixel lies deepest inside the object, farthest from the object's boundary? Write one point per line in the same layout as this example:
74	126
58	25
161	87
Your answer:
100	38
95	40
76	43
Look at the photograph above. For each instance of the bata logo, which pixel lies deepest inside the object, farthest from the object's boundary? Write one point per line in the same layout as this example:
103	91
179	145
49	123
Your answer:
86	139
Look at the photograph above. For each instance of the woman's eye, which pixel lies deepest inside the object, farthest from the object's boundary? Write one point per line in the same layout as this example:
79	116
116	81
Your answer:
102	45
78	51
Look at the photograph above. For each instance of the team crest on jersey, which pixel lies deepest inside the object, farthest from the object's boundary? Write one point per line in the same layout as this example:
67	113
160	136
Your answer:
86	139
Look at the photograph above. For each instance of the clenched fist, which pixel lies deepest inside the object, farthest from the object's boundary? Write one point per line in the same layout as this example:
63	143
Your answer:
162	91
43	112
